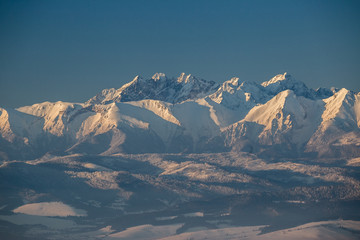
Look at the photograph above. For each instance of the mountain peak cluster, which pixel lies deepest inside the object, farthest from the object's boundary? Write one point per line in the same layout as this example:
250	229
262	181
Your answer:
279	117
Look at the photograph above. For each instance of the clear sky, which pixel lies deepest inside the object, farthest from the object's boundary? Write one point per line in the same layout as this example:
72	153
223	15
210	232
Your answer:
70	50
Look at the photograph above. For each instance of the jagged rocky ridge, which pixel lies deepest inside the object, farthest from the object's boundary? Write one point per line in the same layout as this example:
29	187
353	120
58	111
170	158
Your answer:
159	87
280	117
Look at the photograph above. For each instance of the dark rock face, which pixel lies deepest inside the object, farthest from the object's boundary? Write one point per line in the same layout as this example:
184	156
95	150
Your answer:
159	87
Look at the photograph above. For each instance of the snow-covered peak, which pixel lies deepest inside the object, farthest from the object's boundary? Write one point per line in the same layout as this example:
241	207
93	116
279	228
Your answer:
285	81
277	78
233	81
230	85
159	77
49	109
284	101
236	94
159	87
185	78
19	128
337	106
137	78
56	115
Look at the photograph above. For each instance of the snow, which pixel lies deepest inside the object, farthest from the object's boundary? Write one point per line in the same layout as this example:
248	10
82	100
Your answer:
285	81
332	230
185	78
133	190
357	108
15	124
69	160
59	118
161	109
159	77
201	172
149	114
194	214
99	179
334	104
339	126
196	120
159	87
165	218
277	79
348	139
189	114
241	96
272	116
354	162
145	232
224	233
107	229
52	209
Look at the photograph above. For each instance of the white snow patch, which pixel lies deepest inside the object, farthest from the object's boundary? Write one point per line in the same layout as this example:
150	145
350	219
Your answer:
278	78
201	171
107	229
295	201
330	230
194	214
165	218
225	233
353	162
95	167
146	232
357	108
54	209
348	139
100	179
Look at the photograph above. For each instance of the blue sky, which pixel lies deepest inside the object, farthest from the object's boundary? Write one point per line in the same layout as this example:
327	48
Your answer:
70	50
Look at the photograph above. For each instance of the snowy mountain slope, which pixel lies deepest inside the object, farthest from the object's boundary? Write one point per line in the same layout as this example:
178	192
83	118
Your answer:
58	116
188	114
339	130
242	96
357	108
286	117
331	230
14	124
82	124
118	127
196	120
286	120
285	81
19	134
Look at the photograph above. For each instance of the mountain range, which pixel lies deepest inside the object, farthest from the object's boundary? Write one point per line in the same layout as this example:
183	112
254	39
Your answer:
187	114
184	158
